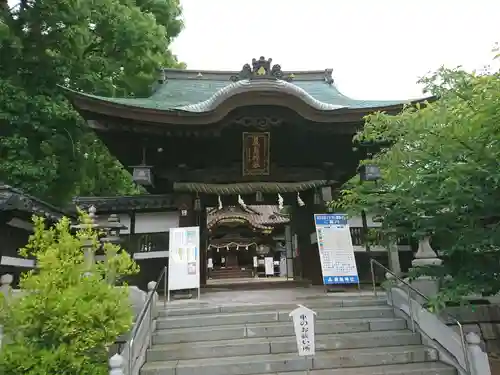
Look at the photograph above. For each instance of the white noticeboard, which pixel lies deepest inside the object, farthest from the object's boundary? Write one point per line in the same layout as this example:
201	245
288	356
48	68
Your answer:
269	265
303	326
336	252
184	260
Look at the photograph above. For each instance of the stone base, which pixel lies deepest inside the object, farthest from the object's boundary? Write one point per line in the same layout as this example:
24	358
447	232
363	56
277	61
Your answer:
426	285
180	294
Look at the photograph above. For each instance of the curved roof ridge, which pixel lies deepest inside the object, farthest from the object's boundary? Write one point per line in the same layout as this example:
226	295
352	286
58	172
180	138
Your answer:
226	75
244	86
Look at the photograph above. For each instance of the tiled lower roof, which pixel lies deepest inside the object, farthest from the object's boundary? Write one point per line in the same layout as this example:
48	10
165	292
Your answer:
127	203
12	199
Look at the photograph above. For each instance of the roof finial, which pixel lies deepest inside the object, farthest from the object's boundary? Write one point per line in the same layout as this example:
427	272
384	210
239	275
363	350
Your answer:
259	69
300	202
241	202
280	202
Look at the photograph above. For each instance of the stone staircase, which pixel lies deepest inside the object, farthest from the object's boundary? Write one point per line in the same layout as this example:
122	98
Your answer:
355	336
231	273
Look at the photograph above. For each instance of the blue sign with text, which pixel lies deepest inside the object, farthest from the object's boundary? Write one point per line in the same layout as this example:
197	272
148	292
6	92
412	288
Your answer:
336	251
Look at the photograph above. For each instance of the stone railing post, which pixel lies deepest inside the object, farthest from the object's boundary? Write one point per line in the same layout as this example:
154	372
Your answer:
113	236
153	310
6	290
478	360
116	363
426	256
5	287
154	302
88	246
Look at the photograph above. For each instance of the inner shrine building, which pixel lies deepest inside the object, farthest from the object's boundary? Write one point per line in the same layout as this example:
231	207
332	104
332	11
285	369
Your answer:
254	137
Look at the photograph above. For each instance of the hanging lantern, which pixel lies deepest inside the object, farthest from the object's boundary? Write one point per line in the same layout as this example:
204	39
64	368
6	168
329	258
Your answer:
370	172
220	202
259	197
317	198
263	250
142	174
197	204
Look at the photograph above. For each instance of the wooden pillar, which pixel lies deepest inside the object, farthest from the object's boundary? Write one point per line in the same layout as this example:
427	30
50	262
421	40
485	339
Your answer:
189	217
303	227
202	223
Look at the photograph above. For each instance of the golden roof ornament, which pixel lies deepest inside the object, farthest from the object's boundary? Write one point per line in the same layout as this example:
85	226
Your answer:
259	69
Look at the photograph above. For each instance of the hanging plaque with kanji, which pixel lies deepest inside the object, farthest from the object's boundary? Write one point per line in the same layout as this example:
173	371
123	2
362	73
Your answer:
256	154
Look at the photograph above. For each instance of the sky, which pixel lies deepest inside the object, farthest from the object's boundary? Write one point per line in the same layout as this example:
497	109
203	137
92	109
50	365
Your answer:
377	49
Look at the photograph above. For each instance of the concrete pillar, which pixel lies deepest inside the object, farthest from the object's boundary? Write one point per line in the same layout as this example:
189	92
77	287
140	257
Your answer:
393	254
289	252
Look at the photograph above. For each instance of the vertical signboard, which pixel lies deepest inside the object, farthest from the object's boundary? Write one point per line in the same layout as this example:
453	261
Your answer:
256	160
184	260
336	252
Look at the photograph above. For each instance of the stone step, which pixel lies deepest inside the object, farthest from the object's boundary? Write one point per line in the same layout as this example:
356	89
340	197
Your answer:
327	302
277	345
424	368
231	273
275	363
271	316
276	329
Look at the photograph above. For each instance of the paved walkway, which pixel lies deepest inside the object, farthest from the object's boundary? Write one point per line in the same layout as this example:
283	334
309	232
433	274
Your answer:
267	296
247	280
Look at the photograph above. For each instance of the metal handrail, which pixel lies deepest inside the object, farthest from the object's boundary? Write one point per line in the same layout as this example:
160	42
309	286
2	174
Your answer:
142	315
426	299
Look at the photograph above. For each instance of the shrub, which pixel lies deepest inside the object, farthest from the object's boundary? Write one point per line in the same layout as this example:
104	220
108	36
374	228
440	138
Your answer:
68	315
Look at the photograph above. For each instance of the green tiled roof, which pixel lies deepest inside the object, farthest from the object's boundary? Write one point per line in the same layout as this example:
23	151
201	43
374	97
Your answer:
12	199
193	94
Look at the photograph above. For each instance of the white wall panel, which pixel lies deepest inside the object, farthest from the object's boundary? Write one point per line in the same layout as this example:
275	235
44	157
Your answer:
357	222
156	222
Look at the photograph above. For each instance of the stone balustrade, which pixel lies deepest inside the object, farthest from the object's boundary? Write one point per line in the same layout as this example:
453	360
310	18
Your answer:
442	332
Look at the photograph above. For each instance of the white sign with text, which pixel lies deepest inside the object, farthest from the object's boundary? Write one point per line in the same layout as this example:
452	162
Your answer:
303	325
184	260
269	266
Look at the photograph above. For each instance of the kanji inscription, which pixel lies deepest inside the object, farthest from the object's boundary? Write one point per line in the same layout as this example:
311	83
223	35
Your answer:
256	154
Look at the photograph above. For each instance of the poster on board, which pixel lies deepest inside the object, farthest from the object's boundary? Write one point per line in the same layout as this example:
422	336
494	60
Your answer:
269	266
336	252
184	261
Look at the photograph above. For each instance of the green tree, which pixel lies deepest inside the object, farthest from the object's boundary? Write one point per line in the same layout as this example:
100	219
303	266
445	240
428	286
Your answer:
68	315
106	47
441	178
